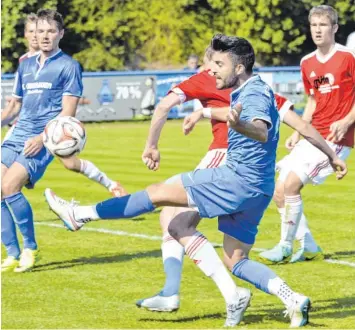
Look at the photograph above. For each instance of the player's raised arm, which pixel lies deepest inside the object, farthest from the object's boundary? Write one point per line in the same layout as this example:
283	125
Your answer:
150	154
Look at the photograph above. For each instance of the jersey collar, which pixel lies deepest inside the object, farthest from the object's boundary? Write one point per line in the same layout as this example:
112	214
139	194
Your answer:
252	78
49	58
329	56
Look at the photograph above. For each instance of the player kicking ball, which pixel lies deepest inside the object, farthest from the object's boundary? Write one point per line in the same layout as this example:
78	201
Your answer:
238	192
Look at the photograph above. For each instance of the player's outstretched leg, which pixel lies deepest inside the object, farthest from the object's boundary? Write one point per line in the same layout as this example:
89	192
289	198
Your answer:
263	278
92	172
168	300
196	245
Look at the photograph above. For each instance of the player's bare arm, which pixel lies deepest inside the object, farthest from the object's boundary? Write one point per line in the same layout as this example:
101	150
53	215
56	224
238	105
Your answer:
151	156
311	134
339	128
69	105
307	116
191	120
257	129
11	110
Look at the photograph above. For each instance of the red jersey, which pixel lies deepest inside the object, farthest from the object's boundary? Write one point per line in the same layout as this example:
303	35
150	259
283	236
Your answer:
202	86
332	83
27	55
283	105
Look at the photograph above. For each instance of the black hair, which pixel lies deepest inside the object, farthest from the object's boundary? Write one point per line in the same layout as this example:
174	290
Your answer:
240	50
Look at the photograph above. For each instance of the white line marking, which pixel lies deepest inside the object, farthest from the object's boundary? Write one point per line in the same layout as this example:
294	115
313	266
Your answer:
340	262
159	238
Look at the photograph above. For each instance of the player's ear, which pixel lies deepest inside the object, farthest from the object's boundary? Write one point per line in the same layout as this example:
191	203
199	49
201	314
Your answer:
239	69
335	28
61	33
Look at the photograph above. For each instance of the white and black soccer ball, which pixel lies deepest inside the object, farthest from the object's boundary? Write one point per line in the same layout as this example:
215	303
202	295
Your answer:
64	136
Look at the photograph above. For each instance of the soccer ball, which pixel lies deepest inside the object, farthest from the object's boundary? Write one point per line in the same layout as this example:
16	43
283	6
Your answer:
64	136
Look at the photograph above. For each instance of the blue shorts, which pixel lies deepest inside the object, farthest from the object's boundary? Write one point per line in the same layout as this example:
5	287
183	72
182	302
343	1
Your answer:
221	192
35	166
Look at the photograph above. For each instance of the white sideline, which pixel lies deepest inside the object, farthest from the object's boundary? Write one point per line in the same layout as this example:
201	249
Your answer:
158	238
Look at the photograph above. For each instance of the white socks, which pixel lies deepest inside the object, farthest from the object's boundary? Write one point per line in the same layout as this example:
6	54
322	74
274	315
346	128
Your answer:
85	212
202	253
92	172
289	225
279	288
303	234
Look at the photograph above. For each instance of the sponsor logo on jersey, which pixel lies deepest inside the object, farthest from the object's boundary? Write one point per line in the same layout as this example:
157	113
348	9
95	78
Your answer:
325	83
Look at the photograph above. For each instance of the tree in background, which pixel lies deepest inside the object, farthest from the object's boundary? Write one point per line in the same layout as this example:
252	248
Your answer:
130	34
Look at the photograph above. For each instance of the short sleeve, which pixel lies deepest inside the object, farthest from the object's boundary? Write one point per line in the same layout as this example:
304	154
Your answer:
17	90
191	88
306	83
73	84
283	105
258	105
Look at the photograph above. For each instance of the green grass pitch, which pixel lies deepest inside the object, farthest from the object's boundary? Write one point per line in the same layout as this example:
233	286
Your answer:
91	279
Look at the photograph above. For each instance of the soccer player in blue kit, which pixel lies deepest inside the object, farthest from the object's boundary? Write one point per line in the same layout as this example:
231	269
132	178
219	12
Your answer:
45	86
238	192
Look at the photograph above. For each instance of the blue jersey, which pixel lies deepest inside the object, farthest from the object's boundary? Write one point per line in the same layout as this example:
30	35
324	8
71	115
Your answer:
41	89
254	161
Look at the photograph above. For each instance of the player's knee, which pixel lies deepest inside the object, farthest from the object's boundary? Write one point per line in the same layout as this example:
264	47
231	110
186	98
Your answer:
231	262
293	185
7	187
70	164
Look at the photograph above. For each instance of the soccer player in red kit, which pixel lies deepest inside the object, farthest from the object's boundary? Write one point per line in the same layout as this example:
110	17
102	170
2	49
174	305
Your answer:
328	75
216	104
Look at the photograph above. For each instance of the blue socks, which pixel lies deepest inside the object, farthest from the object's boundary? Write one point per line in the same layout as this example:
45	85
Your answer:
23	217
173	269
8	232
254	273
125	207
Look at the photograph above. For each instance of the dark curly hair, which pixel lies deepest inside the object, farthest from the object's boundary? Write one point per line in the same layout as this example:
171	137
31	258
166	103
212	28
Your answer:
240	50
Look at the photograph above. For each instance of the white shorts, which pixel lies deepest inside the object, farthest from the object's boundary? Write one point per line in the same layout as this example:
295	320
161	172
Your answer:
309	163
213	158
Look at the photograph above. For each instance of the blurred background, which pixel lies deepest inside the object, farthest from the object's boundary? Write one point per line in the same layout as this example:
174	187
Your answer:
134	51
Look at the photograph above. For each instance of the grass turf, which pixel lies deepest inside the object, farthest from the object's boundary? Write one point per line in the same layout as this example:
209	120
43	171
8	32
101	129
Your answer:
92	280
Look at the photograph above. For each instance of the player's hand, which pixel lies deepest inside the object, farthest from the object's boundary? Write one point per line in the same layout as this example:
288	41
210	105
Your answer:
339	167
337	131
292	141
233	116
190	121
151	158
33	146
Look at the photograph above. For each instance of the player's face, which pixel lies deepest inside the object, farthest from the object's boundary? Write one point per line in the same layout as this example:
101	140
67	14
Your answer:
30	35
227	74
48	35
322	30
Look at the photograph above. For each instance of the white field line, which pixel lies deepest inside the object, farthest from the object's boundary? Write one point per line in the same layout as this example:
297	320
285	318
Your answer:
158	238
